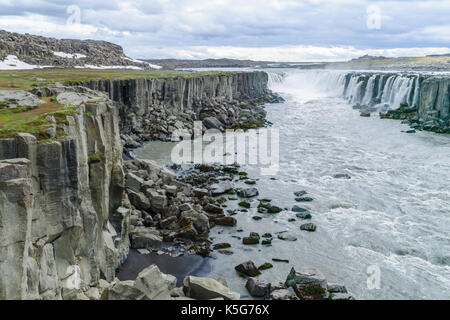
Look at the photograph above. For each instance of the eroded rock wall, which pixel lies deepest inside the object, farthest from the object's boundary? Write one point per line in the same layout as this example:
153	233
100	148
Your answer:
60	209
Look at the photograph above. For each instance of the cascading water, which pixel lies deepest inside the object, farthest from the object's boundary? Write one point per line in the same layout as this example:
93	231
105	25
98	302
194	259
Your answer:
375	91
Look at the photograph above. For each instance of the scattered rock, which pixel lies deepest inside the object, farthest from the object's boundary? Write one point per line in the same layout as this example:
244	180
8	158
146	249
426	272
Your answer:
342	176
226	221
248	268
221	246
308	227
265	266
248	193
258	288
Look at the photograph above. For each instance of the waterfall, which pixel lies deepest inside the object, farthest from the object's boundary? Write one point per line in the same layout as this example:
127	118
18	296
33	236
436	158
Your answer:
372	91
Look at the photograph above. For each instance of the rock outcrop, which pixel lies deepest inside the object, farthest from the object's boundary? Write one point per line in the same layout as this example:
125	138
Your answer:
422	100
61	212
65	53
152	109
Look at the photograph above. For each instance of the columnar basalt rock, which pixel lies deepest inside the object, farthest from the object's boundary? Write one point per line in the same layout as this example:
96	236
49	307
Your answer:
59	211
152	109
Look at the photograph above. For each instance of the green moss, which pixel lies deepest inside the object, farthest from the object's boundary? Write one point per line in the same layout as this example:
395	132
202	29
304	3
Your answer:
95	157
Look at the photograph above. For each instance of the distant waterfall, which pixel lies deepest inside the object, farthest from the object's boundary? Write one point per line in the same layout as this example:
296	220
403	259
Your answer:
373	91
275	78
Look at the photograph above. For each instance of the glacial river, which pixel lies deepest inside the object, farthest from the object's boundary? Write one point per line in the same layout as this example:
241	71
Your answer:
384	233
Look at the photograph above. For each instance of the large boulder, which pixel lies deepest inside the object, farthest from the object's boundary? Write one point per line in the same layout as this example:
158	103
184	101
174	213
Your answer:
258	288
212	123
122	290
200	220
206	289
152	283
142	238
308	283
248	268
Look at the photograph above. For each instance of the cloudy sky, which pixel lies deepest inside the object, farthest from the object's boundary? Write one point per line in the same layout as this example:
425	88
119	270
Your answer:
275	30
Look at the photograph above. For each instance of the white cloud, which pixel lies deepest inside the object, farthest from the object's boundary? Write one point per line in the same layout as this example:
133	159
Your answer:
281	53
267	30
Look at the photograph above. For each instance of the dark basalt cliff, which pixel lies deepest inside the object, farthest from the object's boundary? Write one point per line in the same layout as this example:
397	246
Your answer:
152	109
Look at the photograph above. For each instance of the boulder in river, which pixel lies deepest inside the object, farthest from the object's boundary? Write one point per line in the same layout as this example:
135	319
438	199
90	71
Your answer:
248	268
308	283
342	176
299	209
248	193
310	227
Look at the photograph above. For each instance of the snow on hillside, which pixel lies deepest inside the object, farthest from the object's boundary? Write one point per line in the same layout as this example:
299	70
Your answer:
11	62
69	55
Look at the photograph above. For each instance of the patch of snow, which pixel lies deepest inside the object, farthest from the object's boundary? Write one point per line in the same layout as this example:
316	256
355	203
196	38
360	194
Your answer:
154	66
69	55
90	66
11	62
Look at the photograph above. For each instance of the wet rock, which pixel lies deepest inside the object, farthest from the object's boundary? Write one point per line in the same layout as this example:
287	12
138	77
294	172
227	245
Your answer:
206	289
253	238
248	193
244	204
299	209
284	294
188	232
303	215
274	209
336	288
365	114
211	208
256	218
265	266
304	199
341	296
308	283
258	288
310	227
226	252
199	220
300	193
225	221
219	246
342	176
287	237
248	268
220	188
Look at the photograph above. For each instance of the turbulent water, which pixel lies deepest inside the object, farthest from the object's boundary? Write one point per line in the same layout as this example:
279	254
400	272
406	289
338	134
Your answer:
394	212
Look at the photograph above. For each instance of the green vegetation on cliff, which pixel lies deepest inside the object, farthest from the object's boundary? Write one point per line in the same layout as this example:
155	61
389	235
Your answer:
29	79
33	119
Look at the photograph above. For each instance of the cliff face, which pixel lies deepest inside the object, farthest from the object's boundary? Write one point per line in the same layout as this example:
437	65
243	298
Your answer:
153	109
424	100
61	210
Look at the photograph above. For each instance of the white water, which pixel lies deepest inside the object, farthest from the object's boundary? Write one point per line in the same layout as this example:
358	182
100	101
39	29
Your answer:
394	213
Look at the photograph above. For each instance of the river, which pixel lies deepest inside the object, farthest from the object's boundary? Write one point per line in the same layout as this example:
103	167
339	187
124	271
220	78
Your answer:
392	216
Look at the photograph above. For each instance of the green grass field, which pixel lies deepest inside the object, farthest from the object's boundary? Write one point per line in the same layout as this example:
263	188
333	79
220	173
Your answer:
28	79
